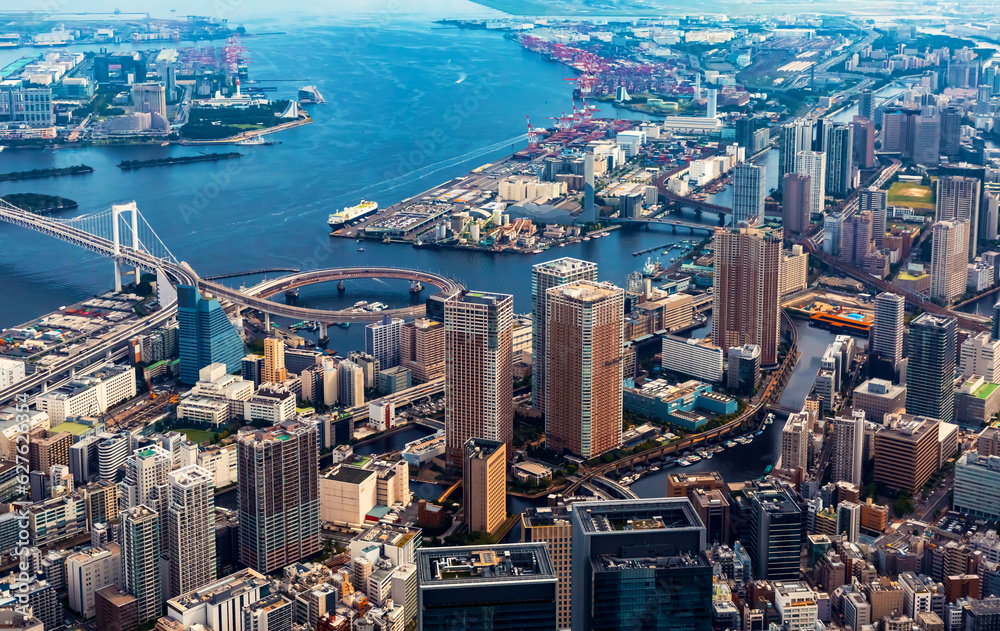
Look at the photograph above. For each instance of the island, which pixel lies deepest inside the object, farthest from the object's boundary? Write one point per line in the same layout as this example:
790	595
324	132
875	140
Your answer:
159	162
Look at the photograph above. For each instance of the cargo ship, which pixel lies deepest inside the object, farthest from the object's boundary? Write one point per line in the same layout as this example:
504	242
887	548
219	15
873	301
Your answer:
309	95
365	208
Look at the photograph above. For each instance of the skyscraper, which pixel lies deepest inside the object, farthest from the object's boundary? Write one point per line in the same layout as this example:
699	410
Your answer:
205	335
930	368
589	208
813	164
949	259
848	446
478	329
145	482
713	97
583	415
503	586
795	442
897	133
746	287
190	528
876	203
856	239
484	484
865	105
996	321
887	329
140	542
795	203
951	133
382	341
421	348
350	384
770	529
926	139
650	575
274	361
749	191
793	137
958	198
150	98
863	130
278	494
545	276
839	159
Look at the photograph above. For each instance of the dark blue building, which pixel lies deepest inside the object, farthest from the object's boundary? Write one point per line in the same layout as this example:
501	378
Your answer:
640	564
205	335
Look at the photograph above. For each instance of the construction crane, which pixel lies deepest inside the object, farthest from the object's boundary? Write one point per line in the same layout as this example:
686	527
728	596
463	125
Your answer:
534	136
149	385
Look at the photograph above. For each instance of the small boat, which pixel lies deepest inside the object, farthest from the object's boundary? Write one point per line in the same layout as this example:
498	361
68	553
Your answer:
344	325
654	468
730	444
694	458
256	139
759	432
684	462
361	249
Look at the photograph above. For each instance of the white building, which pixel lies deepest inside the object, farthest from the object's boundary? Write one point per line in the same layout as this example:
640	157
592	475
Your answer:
11	371
89	396
221	463
190	526
949	258
979	276
90	570
796	602
693	357
346	495
980	355
216	398
382	341
381	414
218	606
794	270
630	141
813	164
273	403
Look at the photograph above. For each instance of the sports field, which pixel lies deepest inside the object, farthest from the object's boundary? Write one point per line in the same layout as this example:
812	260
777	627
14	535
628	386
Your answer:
913	195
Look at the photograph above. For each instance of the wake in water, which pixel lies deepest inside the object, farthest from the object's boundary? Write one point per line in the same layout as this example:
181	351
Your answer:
415	175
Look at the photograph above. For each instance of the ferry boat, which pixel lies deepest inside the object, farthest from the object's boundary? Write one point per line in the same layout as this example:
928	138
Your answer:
256	139
362	210
309	95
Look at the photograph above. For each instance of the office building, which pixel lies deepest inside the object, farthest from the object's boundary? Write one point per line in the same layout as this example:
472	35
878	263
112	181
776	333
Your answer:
640	564
794	270
544	277
478	371
746	282
796	603
949	256
89	395
47	448
205	335
278	495
220	605
863	131
743	369
503	586
350	384
958	197
190	528
150	98
980	355
382	341
347	494
930	367
926	139
90	570
770	527
951	133
393	380
887	327
274	361
813	164
421	349
876	203
26	104
693	357
995	328
866	107
145	482
11	371
907	451
553	526
848	446
796	203
749	191
878	397
140	550
839	159
252	369
116	610
484	484
793	137
977	486
583	416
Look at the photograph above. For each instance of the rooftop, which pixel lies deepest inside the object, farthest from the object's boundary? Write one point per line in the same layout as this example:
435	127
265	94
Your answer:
564	266
681	561
76	429
586	291
489	564
347	474
673	513
224	589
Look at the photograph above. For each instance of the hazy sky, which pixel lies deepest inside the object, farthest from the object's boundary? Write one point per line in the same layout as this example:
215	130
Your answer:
239	10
